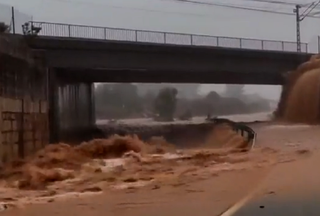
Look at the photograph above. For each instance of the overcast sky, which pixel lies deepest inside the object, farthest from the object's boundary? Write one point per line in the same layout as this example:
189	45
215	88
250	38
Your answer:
167	15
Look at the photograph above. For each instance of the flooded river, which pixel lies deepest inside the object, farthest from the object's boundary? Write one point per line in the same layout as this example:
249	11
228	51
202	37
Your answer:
263	116
196	182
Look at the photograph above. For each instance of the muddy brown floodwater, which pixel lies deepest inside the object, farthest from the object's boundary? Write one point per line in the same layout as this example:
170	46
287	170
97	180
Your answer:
127	176
153	178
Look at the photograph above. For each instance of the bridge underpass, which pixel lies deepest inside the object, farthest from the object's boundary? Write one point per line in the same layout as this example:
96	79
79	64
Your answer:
72	116
72	92
77	58
79	67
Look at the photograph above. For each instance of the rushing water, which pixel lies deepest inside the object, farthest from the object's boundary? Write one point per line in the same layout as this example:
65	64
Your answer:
263	116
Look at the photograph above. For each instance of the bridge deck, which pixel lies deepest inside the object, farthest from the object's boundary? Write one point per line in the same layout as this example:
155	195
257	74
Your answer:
79	56
130	35
119	61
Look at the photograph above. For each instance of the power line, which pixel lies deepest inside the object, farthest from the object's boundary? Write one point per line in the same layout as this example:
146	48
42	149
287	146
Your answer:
301	17
269	2
309	9
238	7
187	1
279	2
233	6
128	8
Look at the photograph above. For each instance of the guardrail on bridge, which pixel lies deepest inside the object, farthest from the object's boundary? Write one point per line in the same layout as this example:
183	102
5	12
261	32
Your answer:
117	34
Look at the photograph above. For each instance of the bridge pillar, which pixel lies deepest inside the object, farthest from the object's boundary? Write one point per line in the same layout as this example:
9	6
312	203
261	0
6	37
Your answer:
71	109
92	104
53	106
76	116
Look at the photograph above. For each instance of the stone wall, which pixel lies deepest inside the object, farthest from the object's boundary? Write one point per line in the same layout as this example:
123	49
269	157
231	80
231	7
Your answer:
23	100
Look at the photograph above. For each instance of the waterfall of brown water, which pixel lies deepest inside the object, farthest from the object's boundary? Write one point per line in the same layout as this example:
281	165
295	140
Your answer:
299	102
303	101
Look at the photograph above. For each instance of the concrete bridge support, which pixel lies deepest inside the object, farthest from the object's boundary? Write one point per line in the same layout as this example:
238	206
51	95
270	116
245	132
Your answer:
72	109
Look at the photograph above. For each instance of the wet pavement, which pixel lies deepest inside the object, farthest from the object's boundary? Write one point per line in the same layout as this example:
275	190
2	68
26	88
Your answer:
290	189
273	206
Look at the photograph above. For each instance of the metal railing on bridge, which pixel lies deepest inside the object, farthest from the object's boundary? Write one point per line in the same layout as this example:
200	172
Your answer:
117	34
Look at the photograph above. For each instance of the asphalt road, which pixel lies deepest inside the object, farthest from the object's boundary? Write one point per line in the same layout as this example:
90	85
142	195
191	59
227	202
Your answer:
273	206
296	192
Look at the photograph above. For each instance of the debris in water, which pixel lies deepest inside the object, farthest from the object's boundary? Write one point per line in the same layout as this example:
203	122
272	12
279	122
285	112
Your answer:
119	157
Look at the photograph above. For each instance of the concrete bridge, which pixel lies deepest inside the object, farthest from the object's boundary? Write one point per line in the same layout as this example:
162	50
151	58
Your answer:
97	54
77	56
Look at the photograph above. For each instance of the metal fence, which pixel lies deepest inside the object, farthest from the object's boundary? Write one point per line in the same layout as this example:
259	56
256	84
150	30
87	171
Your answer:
106	33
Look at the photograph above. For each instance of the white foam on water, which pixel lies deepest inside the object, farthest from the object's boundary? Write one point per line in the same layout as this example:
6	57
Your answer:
131	185
112	163
109	165
168	156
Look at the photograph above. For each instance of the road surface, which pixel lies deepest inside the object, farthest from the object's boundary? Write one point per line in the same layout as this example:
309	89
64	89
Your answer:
296	191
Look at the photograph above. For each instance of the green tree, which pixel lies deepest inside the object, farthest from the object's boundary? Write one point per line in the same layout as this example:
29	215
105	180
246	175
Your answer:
4	28
212	96
235	91
165	103
117	100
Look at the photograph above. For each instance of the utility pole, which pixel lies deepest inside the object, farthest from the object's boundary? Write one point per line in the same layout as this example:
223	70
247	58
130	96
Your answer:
301	17
297	11
13	21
